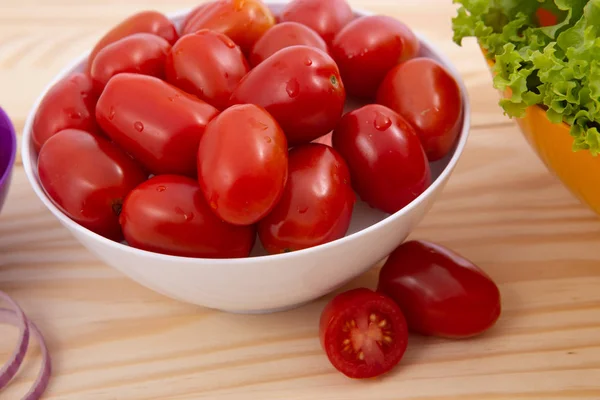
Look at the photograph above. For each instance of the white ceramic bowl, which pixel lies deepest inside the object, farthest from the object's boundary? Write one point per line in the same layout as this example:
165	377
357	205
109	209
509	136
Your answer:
262	283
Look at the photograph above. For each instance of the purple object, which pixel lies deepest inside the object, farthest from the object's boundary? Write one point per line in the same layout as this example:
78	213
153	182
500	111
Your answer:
8	151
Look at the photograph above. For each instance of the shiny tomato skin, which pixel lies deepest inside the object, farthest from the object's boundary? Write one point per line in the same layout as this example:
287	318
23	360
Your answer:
88	177
309	215
157	123
69	104
243	21
285	35
368	48
300	86
243	164
428	97
388	165
193	14
361	321
140	53
546	17
326	18
441	293
142	22
168	214
207	64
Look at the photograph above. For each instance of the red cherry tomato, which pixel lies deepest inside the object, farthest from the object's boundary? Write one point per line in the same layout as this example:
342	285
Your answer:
243	21
440	292
388	166
142	22
157	123
301	87
88	177
308	214
285	35
327	18
141	53
367	48
69	104
546	17
243	164
193	13
207	64
168	214
427	96
364	333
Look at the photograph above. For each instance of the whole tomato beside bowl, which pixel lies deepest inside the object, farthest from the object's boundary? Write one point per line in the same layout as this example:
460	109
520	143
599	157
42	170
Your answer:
261	282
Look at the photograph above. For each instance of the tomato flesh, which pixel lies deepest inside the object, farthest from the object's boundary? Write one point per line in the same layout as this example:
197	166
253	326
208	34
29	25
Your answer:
363	333
140	53
168	214
207	64
441	293
88	177
423	92
309	215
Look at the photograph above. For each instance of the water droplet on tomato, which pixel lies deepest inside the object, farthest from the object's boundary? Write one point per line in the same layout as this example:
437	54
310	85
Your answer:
213	205
267	139
171	99
293	87
74	114
226	75
308	62
258	124
239	5
111	113
302	210
228	42
161	188
382	122
138	126
179	52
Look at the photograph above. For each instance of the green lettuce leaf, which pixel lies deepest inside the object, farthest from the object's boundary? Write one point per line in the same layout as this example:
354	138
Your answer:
556	67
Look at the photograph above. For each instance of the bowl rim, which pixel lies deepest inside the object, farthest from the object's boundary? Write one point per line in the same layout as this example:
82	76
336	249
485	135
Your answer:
389	219
12	138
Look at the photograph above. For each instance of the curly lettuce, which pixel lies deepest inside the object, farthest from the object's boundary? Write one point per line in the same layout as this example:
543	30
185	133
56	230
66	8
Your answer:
556	67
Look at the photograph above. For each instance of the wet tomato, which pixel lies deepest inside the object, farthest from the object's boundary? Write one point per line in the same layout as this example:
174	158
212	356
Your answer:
88	178
157	123
364	333
440	292
285	35
168	214
243	21
301	87
140	53
426	95
142	22
243	164
310	214
388	165
325	17
70	103
207	64
367	48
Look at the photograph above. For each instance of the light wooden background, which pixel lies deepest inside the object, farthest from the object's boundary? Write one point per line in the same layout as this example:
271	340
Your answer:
112	339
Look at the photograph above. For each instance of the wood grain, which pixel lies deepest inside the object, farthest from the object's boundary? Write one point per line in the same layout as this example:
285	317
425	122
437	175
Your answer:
112	339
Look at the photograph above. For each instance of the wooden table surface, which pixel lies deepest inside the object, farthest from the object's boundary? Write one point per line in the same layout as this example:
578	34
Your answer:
113	339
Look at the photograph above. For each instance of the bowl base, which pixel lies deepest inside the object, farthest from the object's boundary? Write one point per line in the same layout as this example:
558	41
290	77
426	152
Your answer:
266	311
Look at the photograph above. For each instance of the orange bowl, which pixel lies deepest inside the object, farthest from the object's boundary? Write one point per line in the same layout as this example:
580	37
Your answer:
579	171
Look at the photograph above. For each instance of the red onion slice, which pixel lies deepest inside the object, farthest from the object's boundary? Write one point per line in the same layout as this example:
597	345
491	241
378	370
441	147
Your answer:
10	369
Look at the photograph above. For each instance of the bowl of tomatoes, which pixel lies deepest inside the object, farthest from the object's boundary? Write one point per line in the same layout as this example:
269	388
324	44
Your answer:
248	156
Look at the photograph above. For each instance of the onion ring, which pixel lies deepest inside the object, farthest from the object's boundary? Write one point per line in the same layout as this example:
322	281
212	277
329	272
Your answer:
10	369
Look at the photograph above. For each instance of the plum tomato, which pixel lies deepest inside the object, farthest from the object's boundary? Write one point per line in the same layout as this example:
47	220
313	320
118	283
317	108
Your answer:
428	97
441	293
207	64
69	104
317	203
367	48
387	163
326	18
363	333
140	53
300	86
157	123
193	14
168	214
285	35
142	22
243	164
243	21
88	177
